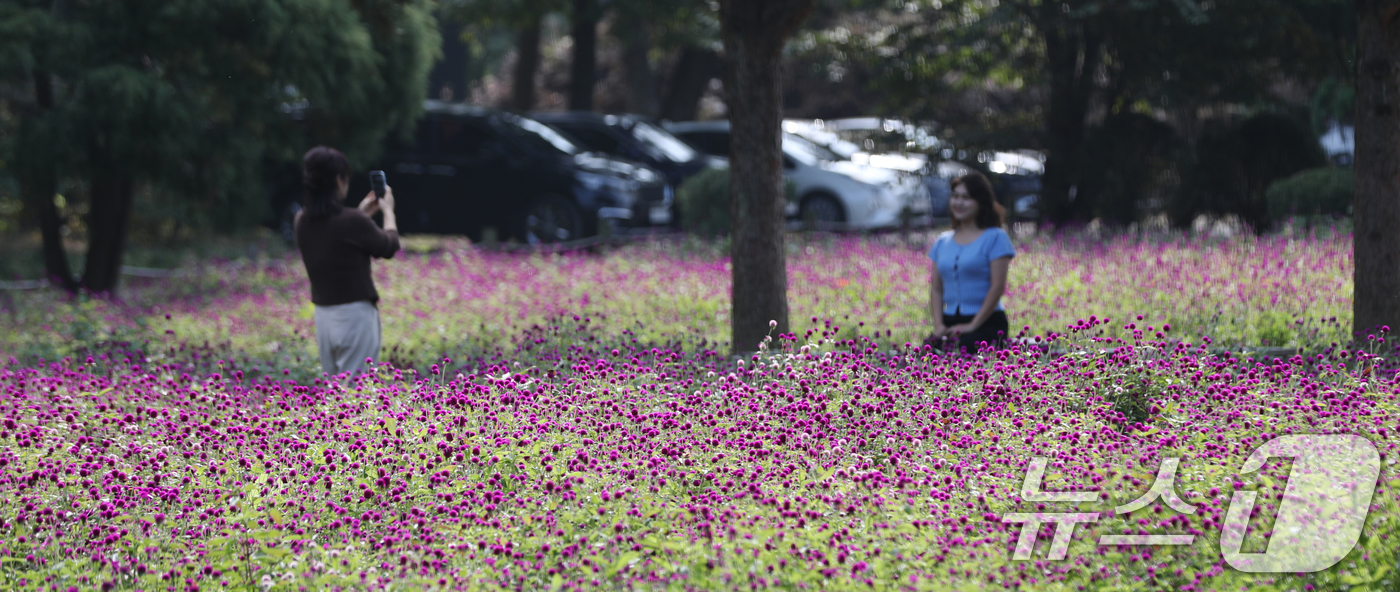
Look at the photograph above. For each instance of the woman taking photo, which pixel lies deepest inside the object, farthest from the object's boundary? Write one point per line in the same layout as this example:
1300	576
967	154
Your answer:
336	245
970	263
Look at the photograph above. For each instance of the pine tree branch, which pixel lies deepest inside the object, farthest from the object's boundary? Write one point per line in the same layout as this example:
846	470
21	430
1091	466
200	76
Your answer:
21	99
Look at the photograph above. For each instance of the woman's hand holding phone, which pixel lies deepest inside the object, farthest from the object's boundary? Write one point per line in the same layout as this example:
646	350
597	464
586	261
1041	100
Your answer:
372	204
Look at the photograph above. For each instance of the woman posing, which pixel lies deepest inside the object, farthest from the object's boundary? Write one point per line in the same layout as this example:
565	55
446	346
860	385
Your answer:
970	264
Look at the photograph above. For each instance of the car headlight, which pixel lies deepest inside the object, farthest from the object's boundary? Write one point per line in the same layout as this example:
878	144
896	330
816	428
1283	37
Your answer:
645	175
625	190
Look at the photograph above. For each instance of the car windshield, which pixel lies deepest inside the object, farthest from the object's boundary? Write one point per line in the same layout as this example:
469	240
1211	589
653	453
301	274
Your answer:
663	142
806	152
830	141
540	136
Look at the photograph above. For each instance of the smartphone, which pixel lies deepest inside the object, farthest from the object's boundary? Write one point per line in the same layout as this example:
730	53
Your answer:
377	182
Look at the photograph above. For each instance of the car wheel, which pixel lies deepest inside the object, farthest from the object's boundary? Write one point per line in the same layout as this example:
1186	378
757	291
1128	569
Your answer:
286	225
822	210
552	219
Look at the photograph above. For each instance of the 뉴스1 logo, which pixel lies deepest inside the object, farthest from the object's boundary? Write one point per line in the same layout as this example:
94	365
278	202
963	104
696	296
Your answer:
1319	521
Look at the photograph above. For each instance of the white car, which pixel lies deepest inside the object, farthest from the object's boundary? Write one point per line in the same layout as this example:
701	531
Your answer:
911	167
825	134
831	191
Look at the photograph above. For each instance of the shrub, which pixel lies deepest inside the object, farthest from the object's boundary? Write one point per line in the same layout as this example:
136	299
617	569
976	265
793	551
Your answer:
1235	165
703	202
1314	192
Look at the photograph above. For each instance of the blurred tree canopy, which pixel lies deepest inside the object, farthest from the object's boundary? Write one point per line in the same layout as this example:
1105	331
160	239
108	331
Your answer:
648	30
1045	73
191	96
521	18
1132	100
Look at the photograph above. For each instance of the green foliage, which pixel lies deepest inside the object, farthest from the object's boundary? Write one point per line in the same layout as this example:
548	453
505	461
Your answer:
512	14
1134	163
1333	101
1273	329
1315	192
703	201
189	97
1235	165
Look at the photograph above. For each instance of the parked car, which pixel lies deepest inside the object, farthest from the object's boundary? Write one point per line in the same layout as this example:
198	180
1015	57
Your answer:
1015	177
818	132
1016	184
1339	144
467	169
830	190
633	138
883	143
854	140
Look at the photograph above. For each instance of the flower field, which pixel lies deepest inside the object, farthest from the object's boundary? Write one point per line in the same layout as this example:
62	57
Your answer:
571	422
464	303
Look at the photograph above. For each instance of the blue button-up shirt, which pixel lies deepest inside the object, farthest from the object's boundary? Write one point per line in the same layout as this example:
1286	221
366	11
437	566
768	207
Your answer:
966	270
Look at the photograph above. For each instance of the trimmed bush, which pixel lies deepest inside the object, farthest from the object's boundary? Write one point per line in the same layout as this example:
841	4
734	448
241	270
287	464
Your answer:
703	202
1314	192
1236	165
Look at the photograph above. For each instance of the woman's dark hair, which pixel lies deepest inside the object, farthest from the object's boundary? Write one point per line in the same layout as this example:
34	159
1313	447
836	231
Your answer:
322	168
990	214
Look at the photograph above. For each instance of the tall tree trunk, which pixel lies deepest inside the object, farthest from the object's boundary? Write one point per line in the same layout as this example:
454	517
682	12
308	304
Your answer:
40	190
108	221
692	74
754	32
448	79
641	83
38	187
527	62
583	68
1376	207
1072	50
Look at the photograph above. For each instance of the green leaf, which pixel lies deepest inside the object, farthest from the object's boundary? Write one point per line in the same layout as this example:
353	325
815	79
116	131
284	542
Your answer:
622	562
1364	577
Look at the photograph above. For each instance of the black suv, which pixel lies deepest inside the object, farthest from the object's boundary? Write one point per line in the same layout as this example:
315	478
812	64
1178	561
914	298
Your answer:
468	169
633	138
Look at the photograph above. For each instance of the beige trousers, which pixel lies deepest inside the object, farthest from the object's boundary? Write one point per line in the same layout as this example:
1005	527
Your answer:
347	334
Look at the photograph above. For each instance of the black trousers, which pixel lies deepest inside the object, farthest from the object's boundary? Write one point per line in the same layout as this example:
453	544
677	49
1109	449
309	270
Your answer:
994	332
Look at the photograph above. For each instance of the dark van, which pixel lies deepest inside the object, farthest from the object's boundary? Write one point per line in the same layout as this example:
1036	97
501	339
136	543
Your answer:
468	169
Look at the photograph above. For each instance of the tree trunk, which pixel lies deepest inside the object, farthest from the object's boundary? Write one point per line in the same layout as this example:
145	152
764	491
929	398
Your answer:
1072	51
692	74
448	79
583	68
38	188
1376	207
641	83
754	33
40	192
527	62
110	214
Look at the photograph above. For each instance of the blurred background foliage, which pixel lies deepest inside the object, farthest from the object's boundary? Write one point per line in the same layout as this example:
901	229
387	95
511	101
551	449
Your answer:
1147	108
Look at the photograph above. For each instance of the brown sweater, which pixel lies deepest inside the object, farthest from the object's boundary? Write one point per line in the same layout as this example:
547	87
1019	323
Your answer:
336	250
